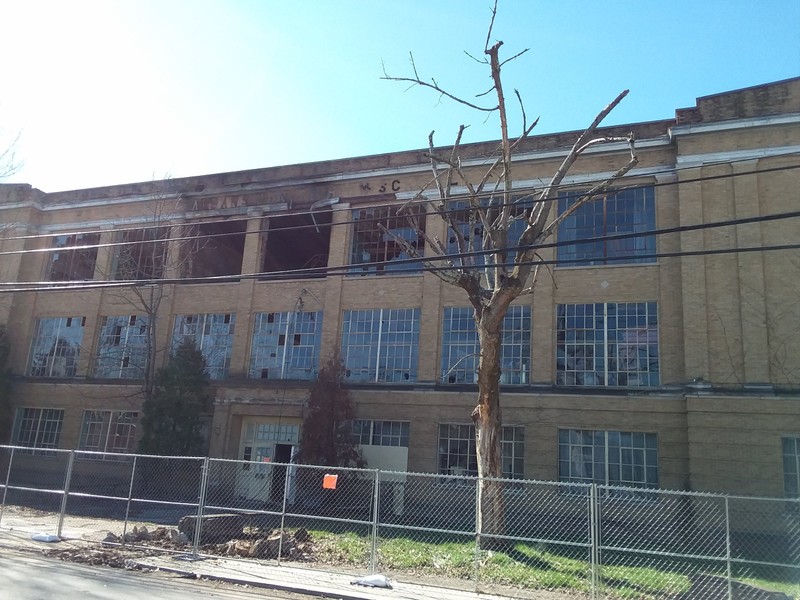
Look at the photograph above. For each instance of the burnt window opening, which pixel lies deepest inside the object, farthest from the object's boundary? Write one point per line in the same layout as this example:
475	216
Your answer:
143	254
215	250
71	262
375	247
298	243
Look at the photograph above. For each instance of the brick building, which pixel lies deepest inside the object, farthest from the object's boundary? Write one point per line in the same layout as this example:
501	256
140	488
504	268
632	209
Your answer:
673	368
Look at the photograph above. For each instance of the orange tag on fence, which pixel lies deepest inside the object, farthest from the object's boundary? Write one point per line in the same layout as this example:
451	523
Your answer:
329	482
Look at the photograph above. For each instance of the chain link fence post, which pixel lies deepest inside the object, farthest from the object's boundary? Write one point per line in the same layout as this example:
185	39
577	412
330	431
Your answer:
281	533
5	489
200	506
376	499
593	541
65	494
130	498
477	558
728	573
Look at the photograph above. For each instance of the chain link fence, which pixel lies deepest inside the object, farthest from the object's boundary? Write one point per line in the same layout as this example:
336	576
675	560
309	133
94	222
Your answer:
592	540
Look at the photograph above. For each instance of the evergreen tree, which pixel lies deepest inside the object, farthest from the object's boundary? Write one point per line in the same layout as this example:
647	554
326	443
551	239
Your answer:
173	415
326	437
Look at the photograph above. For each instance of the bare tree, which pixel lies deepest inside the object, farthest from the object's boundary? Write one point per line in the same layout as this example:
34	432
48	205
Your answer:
506	268
8	159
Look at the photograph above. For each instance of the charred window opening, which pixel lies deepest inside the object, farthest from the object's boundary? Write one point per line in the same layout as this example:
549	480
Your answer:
298	242
143	254
71	261
376	231
216	249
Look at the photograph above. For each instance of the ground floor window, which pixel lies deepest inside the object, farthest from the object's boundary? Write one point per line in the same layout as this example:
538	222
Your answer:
457	454
381	433
791	466
107	431
608	457
38	427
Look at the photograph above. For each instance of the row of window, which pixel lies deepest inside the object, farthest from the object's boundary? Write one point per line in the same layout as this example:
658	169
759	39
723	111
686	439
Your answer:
605	344
216	249
584	456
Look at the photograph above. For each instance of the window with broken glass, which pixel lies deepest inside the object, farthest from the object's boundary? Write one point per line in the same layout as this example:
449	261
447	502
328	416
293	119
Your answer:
471	228
285	345
212	334
375	249
381	345
215	249
122	347
607	344
461	350
615	212
56	347
74	257
142	254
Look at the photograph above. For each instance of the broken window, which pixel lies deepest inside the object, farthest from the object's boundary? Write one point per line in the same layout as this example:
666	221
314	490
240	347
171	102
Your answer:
298	242
72	260
212	334
122	349
375	246
470	227
143	254
56	347
273	358
216	249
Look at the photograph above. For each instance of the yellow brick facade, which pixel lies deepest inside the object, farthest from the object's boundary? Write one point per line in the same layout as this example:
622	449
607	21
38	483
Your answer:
728	324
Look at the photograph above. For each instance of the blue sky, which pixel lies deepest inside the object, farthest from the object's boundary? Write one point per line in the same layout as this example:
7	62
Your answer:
116	91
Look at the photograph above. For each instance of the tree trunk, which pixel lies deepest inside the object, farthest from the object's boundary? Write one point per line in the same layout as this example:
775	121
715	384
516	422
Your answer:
488	431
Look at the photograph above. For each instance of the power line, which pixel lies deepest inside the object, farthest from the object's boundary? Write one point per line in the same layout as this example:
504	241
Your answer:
166	222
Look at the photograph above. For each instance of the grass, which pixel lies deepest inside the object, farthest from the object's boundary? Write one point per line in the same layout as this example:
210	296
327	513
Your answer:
523	566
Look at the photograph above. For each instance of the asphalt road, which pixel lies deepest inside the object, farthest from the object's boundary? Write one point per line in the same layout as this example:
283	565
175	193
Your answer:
25	576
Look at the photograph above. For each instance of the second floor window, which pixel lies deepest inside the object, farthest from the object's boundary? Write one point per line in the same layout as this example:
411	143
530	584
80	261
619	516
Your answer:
122	349
375	247
623	211
285	345
607	344
72	261
381	345
460	348
212	334
56	347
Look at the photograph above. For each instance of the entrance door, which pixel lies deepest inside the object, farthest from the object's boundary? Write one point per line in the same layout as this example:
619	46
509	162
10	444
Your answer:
283	455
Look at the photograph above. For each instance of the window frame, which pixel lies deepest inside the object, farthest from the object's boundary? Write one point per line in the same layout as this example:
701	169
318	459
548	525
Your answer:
583	224
516	346
367	431
576	442
41	417
47	333
204	339
392	348
107	421
592	356
287	325
513	449
791	466
367	242
132	344
150	242
76	259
